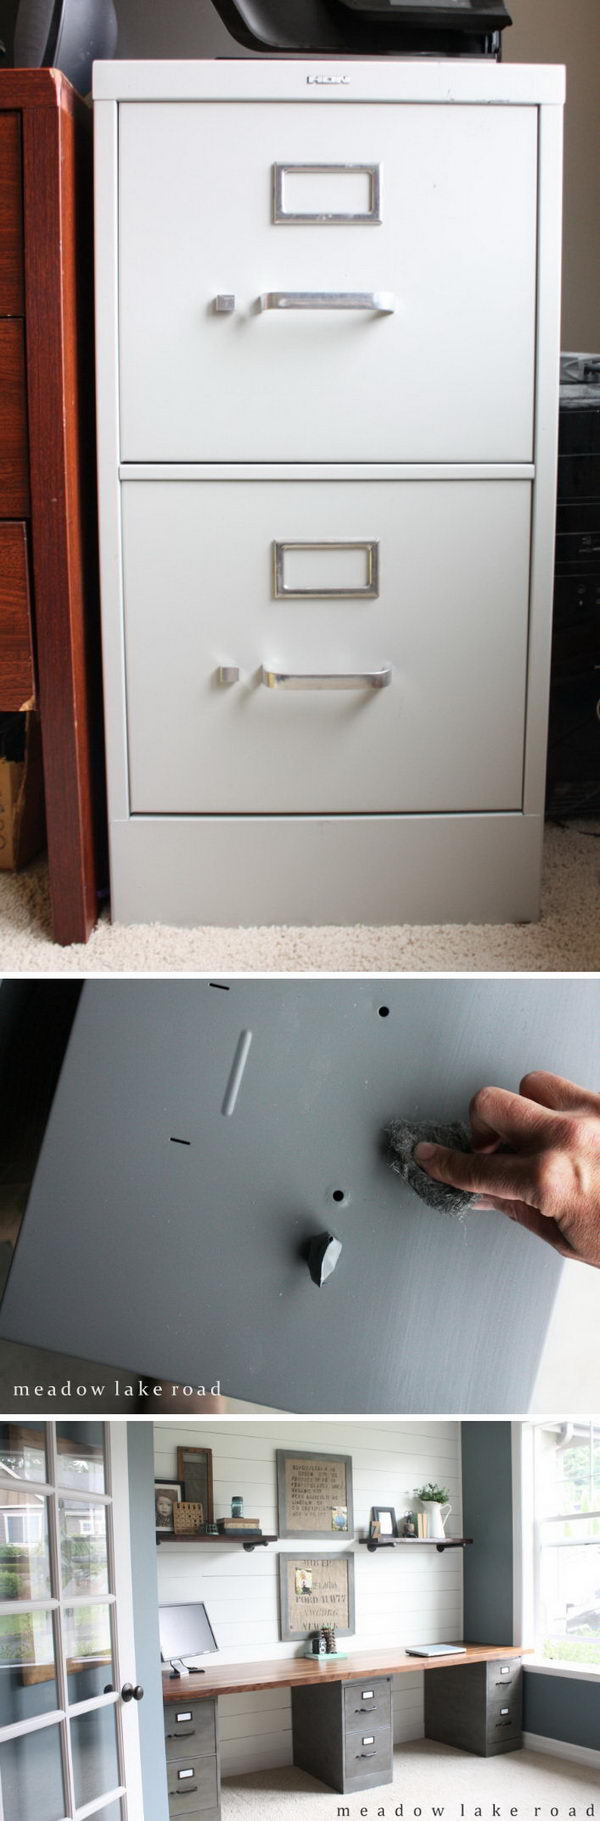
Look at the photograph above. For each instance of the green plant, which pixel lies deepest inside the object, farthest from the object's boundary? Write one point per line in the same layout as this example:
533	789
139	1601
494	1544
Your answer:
432	1494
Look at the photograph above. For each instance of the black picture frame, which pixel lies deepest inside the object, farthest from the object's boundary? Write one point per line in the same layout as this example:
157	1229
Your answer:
171	1490
385	1516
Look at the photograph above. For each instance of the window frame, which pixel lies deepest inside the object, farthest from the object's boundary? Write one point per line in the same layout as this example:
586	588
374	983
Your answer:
526	1555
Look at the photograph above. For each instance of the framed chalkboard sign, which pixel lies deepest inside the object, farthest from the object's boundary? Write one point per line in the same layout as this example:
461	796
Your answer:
316	1590
314	1494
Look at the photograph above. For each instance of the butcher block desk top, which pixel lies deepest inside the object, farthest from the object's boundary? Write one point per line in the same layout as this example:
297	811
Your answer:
296	1672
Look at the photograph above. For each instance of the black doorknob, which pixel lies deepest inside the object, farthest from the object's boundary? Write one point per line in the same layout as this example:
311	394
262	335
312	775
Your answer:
129	1693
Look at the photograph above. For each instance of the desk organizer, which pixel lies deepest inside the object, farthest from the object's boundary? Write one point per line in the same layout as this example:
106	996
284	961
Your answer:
328	350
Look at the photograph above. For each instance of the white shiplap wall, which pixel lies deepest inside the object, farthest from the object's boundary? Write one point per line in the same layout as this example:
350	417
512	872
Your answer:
403	1596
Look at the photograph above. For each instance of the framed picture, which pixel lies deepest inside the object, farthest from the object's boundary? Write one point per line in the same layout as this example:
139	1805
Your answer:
167	1493
194	1469
315	1590
385	1517
314	1494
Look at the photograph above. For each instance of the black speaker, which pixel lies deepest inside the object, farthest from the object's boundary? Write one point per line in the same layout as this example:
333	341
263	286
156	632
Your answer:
67	35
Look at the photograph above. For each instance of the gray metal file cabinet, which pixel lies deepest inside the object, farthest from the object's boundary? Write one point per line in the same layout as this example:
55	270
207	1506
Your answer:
328	346
193	1766
478	1708
343	1733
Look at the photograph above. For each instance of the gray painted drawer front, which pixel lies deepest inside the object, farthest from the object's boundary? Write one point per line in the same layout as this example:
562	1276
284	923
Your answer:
364	1754
151	1060
363	1701
192	1783
177	1808
446	734
194	1731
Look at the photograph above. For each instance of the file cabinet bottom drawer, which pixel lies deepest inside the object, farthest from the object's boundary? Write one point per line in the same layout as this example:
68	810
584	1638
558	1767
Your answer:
302	647
326	870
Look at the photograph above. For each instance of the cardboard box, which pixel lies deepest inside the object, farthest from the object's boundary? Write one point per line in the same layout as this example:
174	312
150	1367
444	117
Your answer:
22	821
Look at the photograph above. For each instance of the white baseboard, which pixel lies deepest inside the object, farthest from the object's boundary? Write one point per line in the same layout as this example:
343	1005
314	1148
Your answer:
558	1748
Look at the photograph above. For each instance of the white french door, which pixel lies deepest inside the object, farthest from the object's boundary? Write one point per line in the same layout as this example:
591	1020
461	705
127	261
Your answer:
69	1737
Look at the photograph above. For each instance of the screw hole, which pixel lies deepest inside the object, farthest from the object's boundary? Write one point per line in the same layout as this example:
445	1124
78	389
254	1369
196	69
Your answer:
337	1195
384	1011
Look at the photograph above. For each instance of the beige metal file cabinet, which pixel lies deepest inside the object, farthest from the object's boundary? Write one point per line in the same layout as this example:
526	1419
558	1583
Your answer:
328	335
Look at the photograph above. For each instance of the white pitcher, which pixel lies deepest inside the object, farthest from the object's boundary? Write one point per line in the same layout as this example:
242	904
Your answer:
436	1517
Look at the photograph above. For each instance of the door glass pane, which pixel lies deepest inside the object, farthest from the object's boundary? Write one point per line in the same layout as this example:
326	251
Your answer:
83	1547
89	1651
114	1812
27	1666
31	1776
22	1452
94	1749
24	1558
80	1450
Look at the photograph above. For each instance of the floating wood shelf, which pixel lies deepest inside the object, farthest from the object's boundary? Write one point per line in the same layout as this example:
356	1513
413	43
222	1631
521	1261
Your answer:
249	1540
430	1542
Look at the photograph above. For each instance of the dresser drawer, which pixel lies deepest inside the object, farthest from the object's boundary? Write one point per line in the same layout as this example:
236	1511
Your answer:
17	683
11	217
190	1727
397	576
440	367
192	1784
14	477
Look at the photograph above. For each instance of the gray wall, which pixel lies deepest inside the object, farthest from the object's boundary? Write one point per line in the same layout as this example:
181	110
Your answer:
543	31
555	1707
140	1447
487	1513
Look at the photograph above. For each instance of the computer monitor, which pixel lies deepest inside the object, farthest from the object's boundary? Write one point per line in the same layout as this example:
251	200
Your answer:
185	1631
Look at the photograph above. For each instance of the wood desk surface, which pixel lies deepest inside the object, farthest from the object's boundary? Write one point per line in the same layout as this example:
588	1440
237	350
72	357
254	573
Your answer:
295	1672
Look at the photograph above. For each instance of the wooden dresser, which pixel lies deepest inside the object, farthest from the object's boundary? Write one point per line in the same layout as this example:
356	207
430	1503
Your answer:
48	564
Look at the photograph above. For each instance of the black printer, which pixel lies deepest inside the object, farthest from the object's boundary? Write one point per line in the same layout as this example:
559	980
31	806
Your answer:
368	28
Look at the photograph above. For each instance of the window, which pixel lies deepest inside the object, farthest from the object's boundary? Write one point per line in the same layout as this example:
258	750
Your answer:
564	1530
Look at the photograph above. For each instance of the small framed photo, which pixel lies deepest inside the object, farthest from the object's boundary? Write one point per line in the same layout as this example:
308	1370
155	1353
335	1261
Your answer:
167	1493
339	1518
303	1580
385	1517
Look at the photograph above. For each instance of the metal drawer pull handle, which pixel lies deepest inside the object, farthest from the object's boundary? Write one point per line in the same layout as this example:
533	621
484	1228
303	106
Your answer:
366	1754
289	679
192	1791
187	1734
383	303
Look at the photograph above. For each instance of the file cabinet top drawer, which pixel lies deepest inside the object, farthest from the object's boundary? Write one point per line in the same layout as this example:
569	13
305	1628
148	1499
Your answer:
190	1727
328	258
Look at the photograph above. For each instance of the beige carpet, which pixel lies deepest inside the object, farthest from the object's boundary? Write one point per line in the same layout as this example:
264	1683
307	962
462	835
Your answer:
567	937
425	1775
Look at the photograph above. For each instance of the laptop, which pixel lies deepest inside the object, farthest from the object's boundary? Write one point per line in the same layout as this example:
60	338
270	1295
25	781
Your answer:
435	1650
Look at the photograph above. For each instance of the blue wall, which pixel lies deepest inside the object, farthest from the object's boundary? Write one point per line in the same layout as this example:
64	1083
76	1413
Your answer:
140	1446
556	1707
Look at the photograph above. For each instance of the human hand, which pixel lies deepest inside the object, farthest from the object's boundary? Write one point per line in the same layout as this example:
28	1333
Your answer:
546	1175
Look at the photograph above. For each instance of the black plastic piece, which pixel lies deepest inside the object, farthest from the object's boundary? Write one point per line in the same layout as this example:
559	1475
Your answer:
366	28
